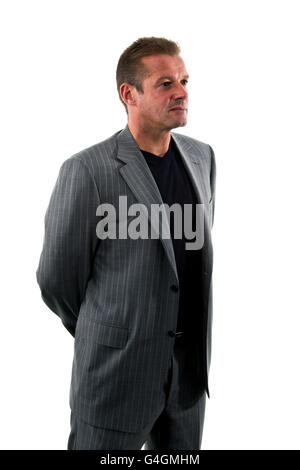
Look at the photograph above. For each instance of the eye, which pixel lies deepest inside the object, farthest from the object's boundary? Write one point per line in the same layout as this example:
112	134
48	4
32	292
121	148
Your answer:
165	84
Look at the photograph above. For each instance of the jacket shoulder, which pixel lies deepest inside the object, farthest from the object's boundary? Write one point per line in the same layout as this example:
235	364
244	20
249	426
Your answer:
195	145
191	140
93	155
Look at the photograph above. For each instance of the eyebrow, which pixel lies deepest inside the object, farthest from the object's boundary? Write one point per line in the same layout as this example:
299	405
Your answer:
169	78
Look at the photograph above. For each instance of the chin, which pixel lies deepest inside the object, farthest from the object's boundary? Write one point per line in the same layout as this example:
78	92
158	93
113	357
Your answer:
179	124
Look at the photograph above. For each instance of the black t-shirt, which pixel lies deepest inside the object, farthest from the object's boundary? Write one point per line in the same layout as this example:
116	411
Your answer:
175	186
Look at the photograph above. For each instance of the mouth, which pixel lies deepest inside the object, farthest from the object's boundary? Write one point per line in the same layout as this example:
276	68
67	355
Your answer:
178	109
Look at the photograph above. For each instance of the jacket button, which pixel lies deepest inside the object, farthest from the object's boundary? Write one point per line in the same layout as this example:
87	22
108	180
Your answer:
174	288
175	333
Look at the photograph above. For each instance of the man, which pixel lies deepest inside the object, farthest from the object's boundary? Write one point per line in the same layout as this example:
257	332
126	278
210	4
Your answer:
140	308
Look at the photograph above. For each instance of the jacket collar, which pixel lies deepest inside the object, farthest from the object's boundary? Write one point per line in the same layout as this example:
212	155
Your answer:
139	178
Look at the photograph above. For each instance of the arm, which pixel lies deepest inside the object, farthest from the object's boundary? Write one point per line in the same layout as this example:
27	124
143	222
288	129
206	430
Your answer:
213	181
70	241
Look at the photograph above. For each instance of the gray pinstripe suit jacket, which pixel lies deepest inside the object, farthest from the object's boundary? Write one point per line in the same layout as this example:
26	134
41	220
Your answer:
114	295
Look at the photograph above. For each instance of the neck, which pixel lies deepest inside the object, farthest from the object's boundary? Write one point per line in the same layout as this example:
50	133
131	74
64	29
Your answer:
151	140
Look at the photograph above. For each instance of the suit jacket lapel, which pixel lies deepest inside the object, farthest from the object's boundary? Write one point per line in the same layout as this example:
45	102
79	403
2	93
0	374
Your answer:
193	167
139	178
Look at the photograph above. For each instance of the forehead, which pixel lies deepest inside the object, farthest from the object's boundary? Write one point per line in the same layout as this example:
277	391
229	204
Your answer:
163	64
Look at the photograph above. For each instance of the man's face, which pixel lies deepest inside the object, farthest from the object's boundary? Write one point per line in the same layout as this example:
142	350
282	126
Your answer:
164	90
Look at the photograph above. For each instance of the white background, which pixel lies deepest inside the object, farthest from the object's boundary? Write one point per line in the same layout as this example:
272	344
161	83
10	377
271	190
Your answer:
58	96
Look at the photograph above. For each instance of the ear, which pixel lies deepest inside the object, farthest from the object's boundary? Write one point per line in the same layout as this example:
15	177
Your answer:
127	94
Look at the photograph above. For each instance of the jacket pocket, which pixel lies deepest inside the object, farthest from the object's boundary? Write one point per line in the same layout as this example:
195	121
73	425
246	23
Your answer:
107	335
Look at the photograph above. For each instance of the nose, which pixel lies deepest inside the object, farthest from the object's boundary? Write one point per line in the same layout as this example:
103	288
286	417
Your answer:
180	91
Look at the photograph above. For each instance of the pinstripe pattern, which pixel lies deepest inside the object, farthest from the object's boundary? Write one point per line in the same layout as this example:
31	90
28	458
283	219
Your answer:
178	424
114	295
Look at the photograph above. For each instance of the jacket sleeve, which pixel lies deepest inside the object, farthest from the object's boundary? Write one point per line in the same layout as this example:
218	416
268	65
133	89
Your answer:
70	241
213	182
